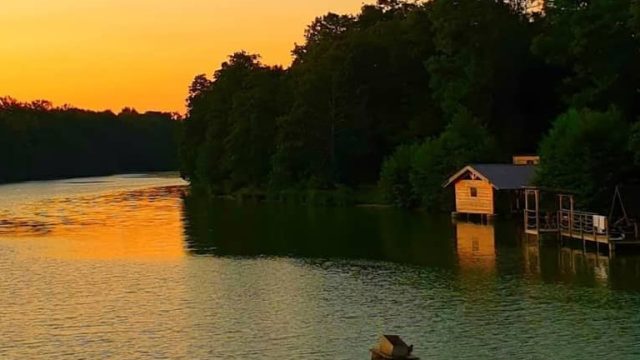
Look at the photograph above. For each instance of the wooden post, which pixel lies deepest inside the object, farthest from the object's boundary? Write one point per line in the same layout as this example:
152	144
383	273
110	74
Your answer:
526	210
612	246
537	192
559	217
595	238
570	215
560	213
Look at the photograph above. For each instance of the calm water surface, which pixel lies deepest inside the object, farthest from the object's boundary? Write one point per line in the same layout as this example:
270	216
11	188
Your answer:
135	267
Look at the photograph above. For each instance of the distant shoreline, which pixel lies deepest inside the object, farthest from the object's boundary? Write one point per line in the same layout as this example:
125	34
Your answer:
141	173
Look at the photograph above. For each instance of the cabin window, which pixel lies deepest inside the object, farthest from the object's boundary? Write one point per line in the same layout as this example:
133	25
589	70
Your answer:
473	192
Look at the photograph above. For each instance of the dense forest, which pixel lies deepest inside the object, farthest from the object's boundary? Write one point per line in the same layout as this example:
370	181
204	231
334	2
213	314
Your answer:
40	141
403	94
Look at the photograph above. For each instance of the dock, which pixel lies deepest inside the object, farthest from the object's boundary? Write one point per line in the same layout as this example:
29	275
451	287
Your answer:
562	219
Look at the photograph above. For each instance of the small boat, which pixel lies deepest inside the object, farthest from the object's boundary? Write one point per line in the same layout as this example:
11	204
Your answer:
392	347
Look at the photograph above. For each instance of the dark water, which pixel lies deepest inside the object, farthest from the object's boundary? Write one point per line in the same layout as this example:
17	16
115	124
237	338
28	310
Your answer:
135	267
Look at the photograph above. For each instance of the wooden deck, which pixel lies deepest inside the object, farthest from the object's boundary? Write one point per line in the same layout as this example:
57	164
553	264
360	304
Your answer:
599	238
541	231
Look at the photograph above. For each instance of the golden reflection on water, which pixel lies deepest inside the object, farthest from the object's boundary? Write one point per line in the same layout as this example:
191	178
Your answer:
477	254
126	224
476	246
103	274
572	261
568	264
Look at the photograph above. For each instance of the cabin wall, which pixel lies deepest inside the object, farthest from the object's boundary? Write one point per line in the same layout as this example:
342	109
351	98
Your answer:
482	204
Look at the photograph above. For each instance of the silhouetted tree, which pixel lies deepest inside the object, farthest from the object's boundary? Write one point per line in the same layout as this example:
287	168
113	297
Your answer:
426	85
40	141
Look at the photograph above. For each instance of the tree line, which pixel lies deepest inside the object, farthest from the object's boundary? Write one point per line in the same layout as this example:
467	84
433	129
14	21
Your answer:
403	94
40	141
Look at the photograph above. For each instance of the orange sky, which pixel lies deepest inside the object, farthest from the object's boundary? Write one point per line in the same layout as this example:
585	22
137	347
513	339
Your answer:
108	54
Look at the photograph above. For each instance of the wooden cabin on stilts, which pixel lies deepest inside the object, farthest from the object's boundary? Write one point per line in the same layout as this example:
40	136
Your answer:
483	190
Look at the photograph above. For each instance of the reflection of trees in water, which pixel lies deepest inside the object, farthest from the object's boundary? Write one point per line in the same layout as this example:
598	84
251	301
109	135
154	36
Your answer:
227	228
624	272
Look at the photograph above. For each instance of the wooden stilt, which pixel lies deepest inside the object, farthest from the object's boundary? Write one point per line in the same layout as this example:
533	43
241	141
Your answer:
537	192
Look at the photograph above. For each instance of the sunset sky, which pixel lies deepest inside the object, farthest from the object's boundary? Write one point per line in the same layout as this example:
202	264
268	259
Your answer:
108	54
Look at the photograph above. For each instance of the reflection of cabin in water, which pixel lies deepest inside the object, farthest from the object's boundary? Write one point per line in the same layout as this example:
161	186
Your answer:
476	246
481	189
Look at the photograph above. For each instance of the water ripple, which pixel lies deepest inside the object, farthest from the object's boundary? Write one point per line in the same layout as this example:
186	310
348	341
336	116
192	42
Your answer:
111	278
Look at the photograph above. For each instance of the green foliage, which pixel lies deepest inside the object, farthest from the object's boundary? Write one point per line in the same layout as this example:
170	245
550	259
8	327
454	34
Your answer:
586	152
467	81
482	64
414	174
395	177
230	130
195	126
634	143
596	44
40	141
253	122
464	142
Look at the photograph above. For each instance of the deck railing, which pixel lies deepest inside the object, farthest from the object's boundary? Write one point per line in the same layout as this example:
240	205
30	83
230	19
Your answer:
574	223
582	223
565	220
546	222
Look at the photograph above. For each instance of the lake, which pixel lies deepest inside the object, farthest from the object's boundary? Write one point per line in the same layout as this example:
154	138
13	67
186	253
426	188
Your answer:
134	266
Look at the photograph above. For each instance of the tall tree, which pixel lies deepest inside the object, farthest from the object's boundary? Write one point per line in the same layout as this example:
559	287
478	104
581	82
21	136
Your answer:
597	43
482	57
41	141
586	152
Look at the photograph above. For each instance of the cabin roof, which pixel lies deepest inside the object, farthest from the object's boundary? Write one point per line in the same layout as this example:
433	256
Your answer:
501	176
395	340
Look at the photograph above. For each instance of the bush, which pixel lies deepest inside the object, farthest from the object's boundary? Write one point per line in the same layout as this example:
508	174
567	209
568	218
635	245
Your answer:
428	173
395	177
